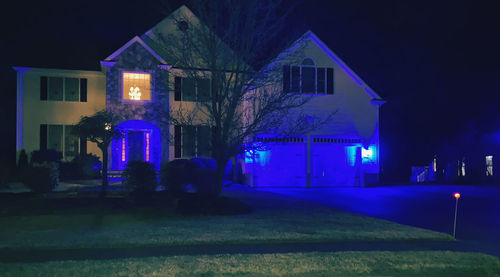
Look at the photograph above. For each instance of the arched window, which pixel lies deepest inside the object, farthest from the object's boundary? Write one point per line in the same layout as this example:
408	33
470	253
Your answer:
308	61
308	78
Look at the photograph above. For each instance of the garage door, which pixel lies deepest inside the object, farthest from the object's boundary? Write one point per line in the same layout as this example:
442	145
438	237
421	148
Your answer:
333	162
282	164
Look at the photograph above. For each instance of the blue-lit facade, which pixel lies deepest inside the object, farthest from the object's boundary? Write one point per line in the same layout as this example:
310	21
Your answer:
139	84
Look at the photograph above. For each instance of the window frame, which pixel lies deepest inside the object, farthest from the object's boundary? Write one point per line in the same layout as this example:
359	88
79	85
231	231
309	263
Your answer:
45	89
64	137
179	141
122	86
291	88
196	88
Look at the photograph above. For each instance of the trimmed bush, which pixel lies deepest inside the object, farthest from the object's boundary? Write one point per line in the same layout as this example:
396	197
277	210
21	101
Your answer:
203	175
41	156
23	161
89	166
82	167
42	177
139	177
173	175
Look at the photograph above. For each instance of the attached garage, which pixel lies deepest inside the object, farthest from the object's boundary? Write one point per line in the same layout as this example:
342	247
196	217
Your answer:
304	161
333	161
282	163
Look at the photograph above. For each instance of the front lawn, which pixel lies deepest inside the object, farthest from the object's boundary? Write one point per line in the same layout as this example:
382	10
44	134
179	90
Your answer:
81	223
426	263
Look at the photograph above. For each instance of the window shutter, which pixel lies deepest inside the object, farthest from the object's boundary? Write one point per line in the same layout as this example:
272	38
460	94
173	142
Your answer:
286	78
321	80
43	136
43	88
83	90
329	80
295	79
83	146
177	141
177	88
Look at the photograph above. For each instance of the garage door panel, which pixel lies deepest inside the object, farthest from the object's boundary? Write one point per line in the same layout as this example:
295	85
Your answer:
331	165
282	165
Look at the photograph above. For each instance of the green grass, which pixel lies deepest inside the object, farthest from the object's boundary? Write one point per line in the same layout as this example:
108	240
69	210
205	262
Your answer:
428	263
109	226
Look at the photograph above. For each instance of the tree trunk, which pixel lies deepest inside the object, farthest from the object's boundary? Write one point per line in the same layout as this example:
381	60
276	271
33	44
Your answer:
104	186
219	176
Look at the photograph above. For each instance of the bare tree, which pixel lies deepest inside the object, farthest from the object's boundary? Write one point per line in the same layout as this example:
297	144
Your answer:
239	102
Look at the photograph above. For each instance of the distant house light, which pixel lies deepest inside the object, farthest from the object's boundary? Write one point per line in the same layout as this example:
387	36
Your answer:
489	165
461	168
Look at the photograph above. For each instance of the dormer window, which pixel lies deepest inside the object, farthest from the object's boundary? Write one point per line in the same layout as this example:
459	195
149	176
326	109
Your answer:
308	78
136	86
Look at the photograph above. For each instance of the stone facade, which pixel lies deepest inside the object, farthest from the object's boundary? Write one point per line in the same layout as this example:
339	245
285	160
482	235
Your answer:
155	111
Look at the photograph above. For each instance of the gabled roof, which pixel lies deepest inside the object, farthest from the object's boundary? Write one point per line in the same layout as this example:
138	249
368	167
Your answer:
309	35
128	44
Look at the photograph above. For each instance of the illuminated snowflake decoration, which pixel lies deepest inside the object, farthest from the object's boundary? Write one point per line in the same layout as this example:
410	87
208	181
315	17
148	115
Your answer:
135	93
107	126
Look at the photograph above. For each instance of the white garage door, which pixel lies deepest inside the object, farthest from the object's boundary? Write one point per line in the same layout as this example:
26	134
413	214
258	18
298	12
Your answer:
332	162
282	164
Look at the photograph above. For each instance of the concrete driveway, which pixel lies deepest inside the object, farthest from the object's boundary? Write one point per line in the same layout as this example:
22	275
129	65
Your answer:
426	206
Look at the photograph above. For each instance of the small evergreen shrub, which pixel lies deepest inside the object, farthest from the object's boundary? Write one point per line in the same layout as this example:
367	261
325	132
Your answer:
89	166
42	177
23	161
49	155
173	175
84	167
139	177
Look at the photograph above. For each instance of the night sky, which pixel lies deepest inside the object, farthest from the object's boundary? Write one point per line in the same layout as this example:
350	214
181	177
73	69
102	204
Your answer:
437	63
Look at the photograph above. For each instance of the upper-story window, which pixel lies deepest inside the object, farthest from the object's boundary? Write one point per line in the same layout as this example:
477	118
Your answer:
63	89
136	86
192	89
308	78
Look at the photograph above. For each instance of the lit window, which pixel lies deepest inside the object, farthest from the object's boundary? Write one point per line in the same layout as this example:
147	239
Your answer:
489	165
136	86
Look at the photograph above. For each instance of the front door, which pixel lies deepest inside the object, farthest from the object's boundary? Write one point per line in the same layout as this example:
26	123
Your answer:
135	146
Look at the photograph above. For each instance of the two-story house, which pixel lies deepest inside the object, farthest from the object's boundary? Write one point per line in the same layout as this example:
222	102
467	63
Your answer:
138	82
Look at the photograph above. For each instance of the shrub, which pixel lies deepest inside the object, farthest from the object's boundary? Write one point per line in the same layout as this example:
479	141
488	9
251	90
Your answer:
86	166
173	175
42	177
139	177
41	156
23	161
89	166
203	175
